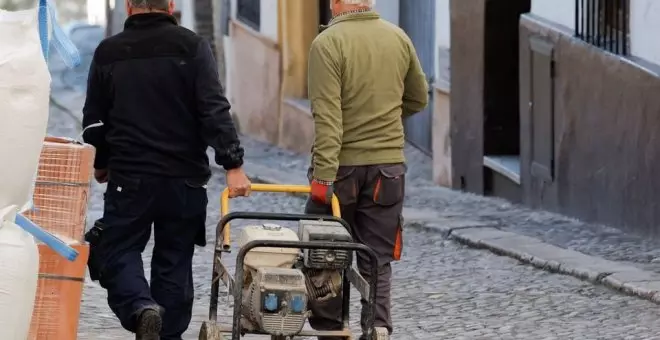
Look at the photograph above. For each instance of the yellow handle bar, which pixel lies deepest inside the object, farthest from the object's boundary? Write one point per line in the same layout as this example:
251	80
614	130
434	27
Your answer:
279	188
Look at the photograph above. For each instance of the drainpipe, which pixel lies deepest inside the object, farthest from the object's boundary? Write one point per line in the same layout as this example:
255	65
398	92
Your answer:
108	18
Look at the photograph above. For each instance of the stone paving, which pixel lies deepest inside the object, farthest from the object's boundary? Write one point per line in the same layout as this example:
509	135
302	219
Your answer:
442	289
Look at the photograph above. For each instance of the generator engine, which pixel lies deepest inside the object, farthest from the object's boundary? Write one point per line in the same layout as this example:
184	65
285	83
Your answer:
274	293
323	267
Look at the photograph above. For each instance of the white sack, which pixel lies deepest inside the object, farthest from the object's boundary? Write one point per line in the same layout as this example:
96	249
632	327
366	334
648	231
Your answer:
24	104
19	265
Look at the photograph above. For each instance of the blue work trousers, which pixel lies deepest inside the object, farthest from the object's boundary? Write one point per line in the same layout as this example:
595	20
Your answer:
176	208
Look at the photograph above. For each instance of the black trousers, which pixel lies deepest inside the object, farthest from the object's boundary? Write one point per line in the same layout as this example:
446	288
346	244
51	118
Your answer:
176	208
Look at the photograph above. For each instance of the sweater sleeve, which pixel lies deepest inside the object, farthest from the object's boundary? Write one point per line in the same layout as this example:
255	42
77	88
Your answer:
416	90
324	87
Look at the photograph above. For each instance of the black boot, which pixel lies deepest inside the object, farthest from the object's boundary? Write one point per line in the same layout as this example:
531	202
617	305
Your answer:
149	324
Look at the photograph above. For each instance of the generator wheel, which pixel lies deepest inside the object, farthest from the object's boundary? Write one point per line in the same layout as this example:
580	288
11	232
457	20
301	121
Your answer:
381	333
210	331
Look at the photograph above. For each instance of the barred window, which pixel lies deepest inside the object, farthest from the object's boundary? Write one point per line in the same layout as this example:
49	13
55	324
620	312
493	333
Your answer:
249	12
604	23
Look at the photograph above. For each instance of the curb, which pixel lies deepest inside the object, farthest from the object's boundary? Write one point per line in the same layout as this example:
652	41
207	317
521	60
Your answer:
621	277
626	279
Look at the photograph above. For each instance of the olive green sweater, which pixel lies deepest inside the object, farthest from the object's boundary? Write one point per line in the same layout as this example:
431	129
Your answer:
364	77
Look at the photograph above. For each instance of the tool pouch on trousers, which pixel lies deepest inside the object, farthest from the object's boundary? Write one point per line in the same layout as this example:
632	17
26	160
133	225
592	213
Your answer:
93	237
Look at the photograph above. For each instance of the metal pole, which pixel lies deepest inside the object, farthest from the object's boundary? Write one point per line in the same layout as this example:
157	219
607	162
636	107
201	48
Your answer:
624	26
108	18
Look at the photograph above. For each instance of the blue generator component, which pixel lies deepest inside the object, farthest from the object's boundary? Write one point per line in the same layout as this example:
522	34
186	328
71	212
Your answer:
298	304
271	303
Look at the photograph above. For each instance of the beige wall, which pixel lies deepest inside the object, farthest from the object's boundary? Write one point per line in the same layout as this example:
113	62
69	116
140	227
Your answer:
441	137
297	126
269	78
255	78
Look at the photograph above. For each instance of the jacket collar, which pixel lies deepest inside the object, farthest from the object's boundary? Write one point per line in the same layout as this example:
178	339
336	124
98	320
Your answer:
351	16
149	20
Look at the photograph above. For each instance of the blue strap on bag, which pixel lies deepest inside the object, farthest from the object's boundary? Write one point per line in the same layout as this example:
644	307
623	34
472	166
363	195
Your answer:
43	27
71	58
66	49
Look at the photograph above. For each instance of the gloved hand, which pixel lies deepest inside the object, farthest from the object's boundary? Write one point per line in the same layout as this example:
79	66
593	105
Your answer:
321	192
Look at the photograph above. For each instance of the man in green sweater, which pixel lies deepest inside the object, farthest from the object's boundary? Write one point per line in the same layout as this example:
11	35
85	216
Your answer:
364	79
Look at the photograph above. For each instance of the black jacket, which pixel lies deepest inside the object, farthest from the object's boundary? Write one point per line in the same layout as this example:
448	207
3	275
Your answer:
154	102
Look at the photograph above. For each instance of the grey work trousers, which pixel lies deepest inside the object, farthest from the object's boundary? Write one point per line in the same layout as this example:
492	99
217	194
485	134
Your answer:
371	199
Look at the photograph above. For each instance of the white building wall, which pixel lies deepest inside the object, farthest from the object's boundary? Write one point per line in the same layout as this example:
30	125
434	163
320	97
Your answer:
644	23
644	29
96	12
187	14
388	10
269	19
442	42
559	11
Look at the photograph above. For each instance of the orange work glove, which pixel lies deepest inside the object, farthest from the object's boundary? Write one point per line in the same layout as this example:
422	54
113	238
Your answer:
321	192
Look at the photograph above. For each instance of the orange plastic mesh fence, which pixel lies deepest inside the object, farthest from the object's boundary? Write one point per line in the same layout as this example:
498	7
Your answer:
60	206
62	190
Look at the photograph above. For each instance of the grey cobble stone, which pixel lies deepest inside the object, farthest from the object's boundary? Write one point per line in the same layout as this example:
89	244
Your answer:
442	290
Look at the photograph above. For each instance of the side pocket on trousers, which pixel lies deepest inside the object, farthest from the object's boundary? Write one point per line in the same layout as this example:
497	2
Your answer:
94	237
398	241
345	185
196	202
389	187
122	196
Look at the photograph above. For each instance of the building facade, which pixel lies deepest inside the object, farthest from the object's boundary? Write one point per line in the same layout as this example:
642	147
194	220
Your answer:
555	106
266	47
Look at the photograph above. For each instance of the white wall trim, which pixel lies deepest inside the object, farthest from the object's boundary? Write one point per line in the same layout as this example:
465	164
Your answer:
442	42
644	28
558	11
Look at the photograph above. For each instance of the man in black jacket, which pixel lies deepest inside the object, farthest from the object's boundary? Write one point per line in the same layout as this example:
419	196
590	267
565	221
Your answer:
154	104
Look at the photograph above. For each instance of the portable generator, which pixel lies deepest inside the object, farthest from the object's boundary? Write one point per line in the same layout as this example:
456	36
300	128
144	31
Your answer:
279	272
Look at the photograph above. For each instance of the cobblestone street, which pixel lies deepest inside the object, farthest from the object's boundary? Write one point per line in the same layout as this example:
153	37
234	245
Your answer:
442	290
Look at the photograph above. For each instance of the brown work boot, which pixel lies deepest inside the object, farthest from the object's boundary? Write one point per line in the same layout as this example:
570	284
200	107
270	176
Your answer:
149	325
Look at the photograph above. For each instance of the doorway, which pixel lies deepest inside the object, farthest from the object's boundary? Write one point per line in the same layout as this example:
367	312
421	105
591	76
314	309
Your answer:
501	110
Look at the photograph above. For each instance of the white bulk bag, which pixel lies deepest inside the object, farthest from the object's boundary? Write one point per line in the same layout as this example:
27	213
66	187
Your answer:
25	95
19	265
24	104
24	99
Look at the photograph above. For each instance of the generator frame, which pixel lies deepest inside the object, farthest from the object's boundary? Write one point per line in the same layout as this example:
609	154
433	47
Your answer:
212	330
